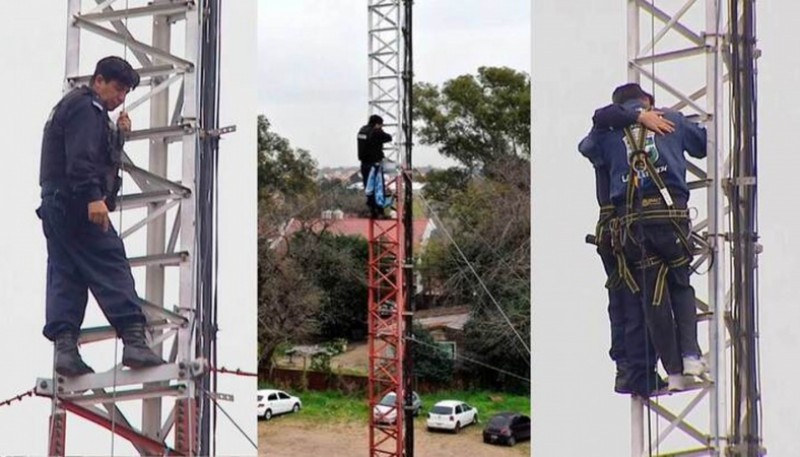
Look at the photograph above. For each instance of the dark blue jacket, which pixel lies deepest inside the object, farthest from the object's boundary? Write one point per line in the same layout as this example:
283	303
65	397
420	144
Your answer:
609	118
370	143
605	147
80	147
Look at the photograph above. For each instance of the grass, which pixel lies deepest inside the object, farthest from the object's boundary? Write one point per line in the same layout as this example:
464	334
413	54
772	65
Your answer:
335	407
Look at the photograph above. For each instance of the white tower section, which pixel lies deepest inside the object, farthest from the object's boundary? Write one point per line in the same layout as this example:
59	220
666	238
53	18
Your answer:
678	48
386	69
161	39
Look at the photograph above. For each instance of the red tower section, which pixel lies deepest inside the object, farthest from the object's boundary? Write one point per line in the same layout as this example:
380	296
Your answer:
386	344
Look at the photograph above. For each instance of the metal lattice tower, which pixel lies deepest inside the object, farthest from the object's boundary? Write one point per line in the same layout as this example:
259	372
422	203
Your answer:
161	204
389	270
385	68
686	38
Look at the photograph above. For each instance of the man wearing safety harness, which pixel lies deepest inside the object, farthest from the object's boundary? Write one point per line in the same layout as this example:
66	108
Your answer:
79	177
650	234
371	139
635	366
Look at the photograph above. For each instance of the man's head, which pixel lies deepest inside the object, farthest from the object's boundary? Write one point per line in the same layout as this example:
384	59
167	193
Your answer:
113	78
375	121
632	91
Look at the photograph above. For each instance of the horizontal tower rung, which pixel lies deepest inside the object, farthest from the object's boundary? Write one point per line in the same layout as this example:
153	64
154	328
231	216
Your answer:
121	377
127	395
160	133
95	334
145	73
143	199
166	260
688	452
166	9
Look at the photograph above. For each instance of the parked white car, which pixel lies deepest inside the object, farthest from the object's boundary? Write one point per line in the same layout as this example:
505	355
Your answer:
272	402
451	415
385	412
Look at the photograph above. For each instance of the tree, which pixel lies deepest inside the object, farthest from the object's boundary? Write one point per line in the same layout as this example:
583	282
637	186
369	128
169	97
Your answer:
482	121
335	194
282	168
477	119
336	265
288	302
431	363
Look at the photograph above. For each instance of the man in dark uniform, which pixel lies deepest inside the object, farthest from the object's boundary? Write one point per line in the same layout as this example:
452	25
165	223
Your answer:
636	365
371	139
79	177
650	194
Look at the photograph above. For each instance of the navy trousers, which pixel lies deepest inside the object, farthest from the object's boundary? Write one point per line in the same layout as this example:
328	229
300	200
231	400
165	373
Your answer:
81	257
630	343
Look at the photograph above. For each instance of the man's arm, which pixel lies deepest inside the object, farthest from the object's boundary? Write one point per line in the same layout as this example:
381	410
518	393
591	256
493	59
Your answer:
83	153
589	147
615	117
612	117
694	138
380	136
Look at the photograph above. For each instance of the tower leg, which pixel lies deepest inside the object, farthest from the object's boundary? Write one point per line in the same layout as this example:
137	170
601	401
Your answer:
58	433
186	427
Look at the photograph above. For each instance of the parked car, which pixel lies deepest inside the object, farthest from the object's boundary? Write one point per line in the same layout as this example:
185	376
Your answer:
451	415
508	428
272	402
385	411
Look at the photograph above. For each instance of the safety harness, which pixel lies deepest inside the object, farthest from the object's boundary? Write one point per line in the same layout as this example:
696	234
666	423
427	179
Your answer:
650	210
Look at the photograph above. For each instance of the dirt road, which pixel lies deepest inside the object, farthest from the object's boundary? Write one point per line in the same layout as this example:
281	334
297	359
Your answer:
293	437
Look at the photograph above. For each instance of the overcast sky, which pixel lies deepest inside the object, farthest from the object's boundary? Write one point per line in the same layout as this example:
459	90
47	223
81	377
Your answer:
312	71
579	57
33	59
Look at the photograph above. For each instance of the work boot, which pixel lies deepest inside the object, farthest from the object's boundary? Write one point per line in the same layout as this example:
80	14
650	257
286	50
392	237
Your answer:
647	386
621	380
68	360
136	353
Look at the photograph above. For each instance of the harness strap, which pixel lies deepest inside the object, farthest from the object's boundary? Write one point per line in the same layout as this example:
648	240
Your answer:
661	276
622	274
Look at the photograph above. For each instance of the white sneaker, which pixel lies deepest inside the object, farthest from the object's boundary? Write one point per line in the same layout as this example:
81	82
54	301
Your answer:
676	382
694	366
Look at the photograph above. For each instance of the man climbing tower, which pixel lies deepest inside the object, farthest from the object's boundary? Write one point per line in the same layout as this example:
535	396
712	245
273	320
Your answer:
651	233
79	177
635	367
371	139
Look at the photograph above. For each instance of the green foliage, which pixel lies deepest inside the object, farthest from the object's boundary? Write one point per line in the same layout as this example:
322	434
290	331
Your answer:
443	185
335	195
336	265
287	302
335	407
431	365
311	286
336	346
321	363
483	121
282	169
476	118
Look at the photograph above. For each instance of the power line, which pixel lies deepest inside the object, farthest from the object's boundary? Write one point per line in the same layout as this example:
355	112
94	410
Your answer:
477	276
235	424
470	360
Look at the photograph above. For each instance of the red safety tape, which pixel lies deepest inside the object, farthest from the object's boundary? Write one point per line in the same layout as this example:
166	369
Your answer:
19	397
236	371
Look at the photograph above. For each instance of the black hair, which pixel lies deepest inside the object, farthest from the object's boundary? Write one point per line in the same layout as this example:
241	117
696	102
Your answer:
630	91
375	120
113	68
